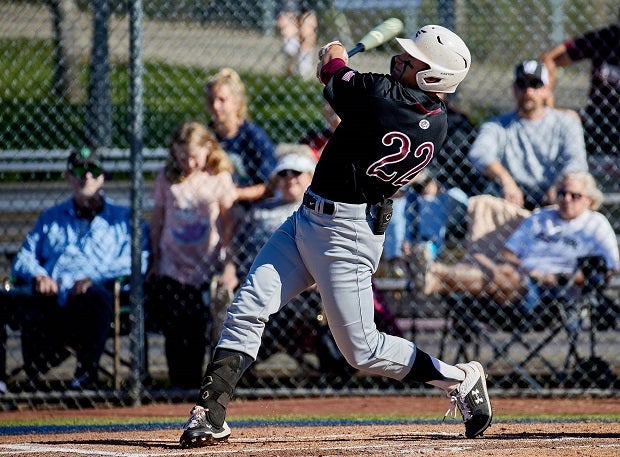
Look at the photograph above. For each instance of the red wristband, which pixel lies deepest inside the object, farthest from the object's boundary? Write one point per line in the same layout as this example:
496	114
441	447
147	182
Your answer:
331	67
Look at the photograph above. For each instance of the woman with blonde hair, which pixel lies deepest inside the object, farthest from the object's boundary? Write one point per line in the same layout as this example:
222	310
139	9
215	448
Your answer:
250	148
191	227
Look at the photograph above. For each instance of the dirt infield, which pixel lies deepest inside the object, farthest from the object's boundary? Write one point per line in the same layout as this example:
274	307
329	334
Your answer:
275	436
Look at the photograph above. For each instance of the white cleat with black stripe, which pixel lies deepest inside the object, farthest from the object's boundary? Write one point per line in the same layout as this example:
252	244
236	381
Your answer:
471	398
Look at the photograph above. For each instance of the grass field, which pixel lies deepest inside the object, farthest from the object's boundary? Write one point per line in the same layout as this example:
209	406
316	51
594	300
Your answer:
32	117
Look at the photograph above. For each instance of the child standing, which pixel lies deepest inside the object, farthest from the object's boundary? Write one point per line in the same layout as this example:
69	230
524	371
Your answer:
191	227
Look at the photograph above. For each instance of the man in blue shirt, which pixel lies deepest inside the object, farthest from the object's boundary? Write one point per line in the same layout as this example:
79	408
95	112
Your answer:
70	259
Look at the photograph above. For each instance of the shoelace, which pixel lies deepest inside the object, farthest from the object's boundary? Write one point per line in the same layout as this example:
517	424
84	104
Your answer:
456	402
197	418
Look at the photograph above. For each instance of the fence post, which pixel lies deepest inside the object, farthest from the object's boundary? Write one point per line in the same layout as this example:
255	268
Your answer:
136	110
98	116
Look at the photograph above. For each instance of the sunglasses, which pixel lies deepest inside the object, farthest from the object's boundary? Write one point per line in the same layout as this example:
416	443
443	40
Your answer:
524	83
80	172
288	173
573	195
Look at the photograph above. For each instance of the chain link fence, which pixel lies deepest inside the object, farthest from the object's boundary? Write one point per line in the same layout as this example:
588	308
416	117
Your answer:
66	81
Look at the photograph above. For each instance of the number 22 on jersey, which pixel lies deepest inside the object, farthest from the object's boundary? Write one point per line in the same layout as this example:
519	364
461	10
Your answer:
399	177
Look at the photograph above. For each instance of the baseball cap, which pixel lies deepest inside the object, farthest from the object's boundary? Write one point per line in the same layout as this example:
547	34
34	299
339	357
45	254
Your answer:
532	70
294	161
84	159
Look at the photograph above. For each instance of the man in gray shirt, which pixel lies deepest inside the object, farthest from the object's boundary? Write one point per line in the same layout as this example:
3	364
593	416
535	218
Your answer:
523	152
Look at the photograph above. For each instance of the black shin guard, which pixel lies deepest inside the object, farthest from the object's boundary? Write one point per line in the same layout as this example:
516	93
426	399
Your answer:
219	382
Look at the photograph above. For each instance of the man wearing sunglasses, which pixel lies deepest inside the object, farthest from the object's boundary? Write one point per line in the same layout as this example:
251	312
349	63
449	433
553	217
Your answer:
523	152
542	255
66	267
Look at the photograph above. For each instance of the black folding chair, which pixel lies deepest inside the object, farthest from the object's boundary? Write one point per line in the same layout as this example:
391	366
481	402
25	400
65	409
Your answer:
119	327
506	329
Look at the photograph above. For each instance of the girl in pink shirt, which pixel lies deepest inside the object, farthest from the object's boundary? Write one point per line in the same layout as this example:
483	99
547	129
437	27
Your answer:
191	227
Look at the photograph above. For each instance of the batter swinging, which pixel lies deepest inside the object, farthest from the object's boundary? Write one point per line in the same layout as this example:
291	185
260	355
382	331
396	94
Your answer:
391	127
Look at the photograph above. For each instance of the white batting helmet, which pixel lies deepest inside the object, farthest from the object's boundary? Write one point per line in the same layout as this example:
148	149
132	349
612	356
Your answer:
444	52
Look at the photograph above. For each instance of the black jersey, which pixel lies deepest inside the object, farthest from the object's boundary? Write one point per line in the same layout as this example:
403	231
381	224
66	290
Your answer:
388	133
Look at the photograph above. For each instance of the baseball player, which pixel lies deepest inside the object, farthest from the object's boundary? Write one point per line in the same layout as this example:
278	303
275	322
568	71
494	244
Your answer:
391	127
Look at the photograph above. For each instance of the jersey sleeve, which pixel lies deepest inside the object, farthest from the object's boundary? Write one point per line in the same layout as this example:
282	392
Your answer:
581	47
347	91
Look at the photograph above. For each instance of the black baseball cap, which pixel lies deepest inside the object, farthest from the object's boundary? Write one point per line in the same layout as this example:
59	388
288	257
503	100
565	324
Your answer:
84	158
532	70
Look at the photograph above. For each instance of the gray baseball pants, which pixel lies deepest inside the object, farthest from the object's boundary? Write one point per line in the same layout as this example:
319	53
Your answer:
339	252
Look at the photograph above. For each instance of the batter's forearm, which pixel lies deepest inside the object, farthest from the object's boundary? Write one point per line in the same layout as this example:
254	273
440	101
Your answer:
332	57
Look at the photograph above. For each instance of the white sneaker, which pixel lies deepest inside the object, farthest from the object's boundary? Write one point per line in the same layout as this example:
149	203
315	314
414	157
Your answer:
471	398
3	387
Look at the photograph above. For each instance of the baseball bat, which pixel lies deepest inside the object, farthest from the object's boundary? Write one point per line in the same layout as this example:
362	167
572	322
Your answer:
380	34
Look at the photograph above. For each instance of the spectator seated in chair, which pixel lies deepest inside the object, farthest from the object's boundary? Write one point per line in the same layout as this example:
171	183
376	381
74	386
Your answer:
67	266
540	259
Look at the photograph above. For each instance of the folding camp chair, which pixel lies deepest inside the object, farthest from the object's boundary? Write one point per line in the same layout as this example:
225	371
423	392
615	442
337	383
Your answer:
517	338
120	326
522	340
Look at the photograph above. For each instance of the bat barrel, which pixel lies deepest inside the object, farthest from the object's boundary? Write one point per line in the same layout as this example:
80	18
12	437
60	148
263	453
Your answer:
383	32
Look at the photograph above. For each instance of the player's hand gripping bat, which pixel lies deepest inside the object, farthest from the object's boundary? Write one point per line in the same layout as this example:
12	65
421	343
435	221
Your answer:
382	33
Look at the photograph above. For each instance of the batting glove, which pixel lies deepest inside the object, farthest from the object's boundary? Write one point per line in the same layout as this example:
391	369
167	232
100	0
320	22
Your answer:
322	53
325	48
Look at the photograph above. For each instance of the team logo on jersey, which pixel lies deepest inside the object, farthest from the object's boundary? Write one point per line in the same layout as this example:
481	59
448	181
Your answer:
424	124
348	75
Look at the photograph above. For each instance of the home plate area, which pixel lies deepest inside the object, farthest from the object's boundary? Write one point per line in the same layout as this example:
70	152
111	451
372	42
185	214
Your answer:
517	439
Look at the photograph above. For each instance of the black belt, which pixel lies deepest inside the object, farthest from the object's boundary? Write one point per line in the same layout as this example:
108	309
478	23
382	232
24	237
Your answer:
312	202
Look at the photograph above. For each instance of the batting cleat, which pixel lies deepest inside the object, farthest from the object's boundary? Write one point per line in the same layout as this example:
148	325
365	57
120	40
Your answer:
471	398
200	432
